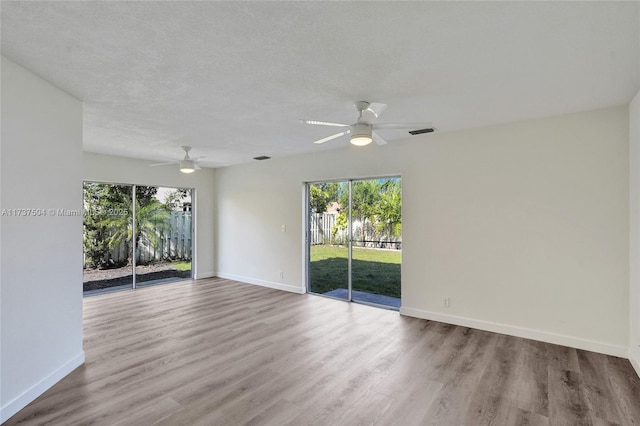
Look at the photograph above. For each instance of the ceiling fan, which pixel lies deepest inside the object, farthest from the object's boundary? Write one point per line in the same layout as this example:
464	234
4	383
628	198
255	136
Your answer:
187	164
363	131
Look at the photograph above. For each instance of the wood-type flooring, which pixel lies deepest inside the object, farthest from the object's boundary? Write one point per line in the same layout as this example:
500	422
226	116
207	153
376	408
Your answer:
219	352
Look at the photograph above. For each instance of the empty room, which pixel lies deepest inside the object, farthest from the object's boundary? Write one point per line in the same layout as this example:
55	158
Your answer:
328	213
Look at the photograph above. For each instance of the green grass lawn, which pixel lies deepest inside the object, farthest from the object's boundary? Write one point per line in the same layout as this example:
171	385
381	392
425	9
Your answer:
181	265
374	271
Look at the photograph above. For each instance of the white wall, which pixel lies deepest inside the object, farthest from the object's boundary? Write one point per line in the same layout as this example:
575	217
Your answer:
105	168
634	232
523	226
41	257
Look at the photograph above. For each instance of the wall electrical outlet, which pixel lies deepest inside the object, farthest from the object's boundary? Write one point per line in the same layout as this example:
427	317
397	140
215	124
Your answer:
284	228
445	302
281	275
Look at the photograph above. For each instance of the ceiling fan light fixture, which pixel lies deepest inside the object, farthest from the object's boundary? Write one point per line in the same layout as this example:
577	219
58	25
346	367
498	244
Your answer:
360	140
361	134
187	166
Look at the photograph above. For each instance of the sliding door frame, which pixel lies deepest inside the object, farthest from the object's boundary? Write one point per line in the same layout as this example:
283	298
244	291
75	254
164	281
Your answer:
133	187
349	245
307	234
306	222
134	223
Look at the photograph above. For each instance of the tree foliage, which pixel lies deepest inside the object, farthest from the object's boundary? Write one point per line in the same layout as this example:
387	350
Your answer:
174	200
150	218
108	220
340	224
389	212
321	195
96	207
377	202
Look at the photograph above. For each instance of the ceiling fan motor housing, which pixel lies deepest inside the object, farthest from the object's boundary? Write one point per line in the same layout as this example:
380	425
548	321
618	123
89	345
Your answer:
362	105
361	130
187	166
360	134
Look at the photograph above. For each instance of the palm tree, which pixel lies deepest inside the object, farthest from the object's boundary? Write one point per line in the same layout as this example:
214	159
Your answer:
365	195
389	213
151	218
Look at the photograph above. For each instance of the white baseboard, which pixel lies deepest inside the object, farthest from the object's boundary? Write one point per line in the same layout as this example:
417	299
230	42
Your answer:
262	283
527	333
634	357
24	399
202	275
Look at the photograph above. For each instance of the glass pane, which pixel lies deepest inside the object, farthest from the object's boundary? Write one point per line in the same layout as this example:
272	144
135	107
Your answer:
377	241
163	234
107	245
328	250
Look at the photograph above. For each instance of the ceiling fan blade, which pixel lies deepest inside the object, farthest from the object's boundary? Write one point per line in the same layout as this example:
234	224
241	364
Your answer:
323	123
163	164
403	126
196	167
378	139
422	131
328	138
372	112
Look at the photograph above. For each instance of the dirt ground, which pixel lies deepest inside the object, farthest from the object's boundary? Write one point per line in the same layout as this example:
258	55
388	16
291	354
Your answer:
95	279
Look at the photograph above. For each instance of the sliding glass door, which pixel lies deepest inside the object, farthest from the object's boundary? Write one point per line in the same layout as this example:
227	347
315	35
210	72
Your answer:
355	240
107	220
376	206
328	242
135	235
163	234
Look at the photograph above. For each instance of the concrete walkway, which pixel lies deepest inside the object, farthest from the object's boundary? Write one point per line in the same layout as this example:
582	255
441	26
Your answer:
361	296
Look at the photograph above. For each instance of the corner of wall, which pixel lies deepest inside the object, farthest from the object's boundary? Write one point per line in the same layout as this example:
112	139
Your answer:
202	275
634	358
34	391
262	283
634	232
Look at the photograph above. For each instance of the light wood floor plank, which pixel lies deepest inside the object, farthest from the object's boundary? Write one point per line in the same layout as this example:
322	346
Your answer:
219	352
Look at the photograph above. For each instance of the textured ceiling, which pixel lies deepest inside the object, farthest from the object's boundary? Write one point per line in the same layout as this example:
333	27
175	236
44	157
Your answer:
232	79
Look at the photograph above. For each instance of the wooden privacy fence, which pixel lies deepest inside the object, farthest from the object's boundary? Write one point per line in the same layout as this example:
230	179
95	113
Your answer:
173	241
322	229
322	225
